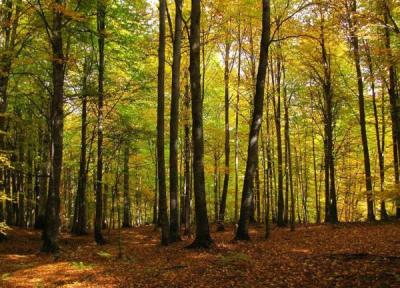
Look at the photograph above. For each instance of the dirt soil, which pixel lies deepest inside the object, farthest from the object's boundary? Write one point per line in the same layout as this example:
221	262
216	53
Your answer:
345	255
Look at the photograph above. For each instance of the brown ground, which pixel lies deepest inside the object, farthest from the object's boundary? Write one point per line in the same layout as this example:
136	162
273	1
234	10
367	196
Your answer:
347	255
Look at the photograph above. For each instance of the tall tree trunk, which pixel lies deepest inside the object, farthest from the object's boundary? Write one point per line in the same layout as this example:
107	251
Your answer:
21	199
265	213
9	20
277	110
44	168
52	224
268	169
114	191
316	190
216	185
222	207
187	149
20	143
14	187
289	171
330	188
203	237
126	223
9	203
101	14
174	234
247	195
36	195
253	75
352	10
258	192
80	215
8	29
104	223
66	212
287	141
292	201
2	194
393	96
305	180
162	198
237	122
380	147
155	202
29	188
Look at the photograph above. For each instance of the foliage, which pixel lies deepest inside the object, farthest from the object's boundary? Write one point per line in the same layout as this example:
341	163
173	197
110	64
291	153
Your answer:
4	230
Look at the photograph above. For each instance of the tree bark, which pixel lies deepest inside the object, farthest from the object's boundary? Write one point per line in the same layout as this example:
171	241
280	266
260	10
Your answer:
174	234
216	185
155	202
289	172
126	223
268	172
380	145
52	219
237	123
104	223
29	188
9	20
80	215
187	159
2	193
393	96
277	108
287	149
203	237
352	10
20	143
43	176
222	207
101	14
316	190
9	203
247	195
162	198
330	188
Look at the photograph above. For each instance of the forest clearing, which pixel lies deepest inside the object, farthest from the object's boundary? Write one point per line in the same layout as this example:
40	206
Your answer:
346	255
199	143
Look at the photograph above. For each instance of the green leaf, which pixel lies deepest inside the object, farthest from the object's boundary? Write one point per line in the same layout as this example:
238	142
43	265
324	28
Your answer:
104	254
82	266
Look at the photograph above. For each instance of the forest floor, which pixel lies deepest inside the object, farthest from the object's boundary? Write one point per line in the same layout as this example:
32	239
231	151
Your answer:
345	255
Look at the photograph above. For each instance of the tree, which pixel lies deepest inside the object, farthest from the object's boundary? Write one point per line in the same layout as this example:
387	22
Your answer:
227	138
289	171
174	124
203	238
187	157
380	133
393	97
162	197
277	81
351	7
101	14
330	187
80	218
237	121
252	155
127	201
52	222
11	12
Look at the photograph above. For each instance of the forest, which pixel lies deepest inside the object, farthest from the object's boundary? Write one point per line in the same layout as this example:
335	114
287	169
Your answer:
201	143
